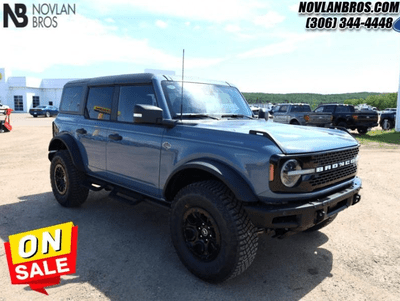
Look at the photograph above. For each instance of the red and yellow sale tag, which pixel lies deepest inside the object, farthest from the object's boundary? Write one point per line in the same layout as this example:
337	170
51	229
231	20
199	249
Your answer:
41	256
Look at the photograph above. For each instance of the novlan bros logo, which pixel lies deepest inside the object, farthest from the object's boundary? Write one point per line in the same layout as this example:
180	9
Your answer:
43	15
19	12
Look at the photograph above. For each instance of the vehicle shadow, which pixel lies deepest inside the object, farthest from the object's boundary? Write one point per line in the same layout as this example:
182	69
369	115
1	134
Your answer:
125	252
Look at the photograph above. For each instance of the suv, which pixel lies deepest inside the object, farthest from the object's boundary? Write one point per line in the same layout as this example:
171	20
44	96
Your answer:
195	148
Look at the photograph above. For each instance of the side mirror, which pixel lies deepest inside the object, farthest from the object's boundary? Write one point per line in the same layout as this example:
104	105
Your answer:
263	114
147	114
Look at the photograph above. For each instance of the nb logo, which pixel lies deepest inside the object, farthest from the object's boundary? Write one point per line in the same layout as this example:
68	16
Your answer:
16	15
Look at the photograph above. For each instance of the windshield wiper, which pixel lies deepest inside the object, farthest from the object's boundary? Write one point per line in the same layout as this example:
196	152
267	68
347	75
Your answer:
236	116
195	115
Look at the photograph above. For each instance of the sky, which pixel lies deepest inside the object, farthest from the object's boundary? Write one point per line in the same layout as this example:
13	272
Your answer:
258	45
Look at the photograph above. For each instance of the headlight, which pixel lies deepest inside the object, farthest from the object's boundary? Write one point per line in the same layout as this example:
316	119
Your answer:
289	177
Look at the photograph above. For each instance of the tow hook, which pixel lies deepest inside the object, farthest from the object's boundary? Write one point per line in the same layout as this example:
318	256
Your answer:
320	216
356	199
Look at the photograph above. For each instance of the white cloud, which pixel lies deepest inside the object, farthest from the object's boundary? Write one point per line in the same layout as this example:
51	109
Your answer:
209	10
269	20
161	24
290	44
294	8
232	28
98	43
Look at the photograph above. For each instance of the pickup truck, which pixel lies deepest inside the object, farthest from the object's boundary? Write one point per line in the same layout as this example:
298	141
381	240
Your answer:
346	116
301	114
195	148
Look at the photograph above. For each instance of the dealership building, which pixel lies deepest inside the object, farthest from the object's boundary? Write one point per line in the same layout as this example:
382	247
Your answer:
23	93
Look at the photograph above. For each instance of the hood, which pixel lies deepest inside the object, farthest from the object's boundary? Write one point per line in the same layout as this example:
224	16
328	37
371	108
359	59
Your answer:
291	139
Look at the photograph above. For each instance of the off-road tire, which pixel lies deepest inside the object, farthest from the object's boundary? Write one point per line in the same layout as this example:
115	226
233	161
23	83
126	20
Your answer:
295	122
322	224
47	114
342	124
209	210
362	131
66	181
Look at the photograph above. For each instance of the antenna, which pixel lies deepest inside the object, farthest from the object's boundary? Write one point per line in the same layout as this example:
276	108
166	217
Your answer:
183	72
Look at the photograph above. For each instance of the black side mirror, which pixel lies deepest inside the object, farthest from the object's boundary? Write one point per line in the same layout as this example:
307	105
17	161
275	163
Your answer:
263	114
147	114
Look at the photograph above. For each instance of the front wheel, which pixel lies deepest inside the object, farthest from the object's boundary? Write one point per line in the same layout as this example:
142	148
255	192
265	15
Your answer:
66	181
211	232
48	114
362	131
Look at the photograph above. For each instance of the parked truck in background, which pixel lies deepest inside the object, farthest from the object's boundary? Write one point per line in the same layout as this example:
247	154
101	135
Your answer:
301	114
347	117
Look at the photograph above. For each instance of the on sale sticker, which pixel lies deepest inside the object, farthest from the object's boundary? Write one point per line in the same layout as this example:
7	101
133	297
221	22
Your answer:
39	257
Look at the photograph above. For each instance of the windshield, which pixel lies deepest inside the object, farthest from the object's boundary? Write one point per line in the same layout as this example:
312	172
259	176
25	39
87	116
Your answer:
204	99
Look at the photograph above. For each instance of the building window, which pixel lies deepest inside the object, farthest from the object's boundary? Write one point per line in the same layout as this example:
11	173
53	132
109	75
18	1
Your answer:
35	101
18	103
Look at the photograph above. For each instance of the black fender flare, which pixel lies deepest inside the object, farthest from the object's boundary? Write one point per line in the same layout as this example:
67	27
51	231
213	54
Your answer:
66	141
239	186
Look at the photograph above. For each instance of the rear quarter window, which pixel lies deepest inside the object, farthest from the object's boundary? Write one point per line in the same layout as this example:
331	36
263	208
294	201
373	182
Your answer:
71	99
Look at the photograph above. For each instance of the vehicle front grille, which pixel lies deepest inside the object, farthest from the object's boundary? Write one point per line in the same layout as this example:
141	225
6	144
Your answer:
333	175
334	157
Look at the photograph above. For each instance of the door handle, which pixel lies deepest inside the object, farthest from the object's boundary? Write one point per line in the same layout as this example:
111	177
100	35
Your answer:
81	131
115	137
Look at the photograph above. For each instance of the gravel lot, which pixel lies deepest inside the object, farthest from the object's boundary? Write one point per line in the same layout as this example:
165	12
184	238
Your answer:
125	252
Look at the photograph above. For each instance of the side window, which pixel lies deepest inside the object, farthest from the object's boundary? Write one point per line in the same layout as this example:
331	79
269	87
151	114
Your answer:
342	109
99	102
71	99
329	109
319	110
129	96
283	109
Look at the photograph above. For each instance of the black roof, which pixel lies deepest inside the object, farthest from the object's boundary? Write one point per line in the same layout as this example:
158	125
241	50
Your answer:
116	79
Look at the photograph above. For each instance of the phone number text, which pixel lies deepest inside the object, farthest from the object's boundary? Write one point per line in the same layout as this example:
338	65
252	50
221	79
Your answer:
349	23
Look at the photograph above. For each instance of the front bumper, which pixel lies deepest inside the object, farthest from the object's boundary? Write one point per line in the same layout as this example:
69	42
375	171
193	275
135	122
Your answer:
299	217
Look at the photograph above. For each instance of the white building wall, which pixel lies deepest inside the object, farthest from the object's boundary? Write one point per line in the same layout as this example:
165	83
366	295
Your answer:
48	90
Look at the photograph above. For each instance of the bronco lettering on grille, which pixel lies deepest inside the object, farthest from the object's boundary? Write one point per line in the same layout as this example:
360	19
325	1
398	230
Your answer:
336	165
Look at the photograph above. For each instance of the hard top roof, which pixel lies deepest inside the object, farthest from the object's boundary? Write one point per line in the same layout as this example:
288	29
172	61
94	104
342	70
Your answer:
144	78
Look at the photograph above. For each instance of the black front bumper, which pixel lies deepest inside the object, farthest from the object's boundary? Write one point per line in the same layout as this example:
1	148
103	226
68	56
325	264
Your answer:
300	217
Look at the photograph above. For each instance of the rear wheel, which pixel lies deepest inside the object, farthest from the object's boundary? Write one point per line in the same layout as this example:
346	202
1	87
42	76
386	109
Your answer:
48	114
211	232
66	181
295	122
342	124
386	124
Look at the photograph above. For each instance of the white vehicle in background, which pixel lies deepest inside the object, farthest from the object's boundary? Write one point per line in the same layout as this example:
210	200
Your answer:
3	108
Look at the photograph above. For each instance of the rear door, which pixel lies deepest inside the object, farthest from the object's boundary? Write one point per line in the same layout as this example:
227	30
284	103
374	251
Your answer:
92	131
133	150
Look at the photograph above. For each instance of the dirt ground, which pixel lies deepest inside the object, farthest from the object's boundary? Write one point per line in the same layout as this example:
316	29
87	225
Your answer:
125	252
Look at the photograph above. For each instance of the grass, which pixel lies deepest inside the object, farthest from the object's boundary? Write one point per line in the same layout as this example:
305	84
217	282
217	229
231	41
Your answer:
379	136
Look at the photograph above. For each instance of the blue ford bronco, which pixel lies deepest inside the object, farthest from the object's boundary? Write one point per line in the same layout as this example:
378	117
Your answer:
196	148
